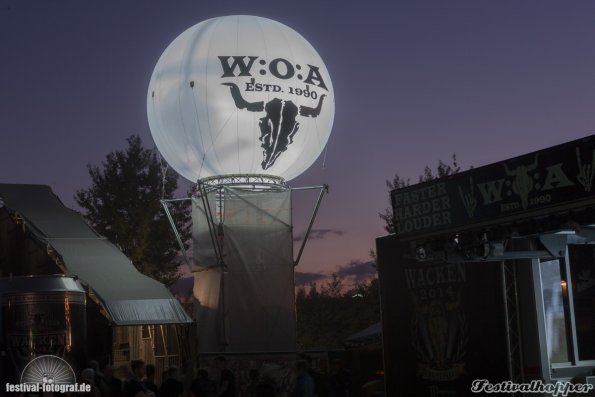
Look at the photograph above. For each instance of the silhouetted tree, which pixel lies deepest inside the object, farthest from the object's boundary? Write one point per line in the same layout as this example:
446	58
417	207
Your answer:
331	313
123	204
397	182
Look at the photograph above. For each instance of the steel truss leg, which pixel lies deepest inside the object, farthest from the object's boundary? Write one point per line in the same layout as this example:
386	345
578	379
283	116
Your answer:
513	324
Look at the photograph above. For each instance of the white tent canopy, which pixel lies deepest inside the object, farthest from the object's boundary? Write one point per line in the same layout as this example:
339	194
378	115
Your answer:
129	297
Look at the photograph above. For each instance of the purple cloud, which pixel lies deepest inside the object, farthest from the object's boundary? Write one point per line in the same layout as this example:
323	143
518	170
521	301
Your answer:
304	278
318	234
357	270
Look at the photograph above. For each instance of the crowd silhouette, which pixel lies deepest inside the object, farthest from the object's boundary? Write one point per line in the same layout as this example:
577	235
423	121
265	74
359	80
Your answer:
269	379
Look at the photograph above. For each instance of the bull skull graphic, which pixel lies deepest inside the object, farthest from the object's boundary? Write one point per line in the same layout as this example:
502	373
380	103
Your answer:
523	182
278	126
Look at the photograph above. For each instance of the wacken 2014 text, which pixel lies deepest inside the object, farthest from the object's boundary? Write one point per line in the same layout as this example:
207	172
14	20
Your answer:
435	275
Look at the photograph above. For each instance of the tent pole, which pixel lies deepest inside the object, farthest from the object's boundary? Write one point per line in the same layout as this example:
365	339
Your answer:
175	229
323	190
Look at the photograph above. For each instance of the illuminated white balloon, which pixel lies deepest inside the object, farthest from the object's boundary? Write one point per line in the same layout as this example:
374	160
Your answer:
240	95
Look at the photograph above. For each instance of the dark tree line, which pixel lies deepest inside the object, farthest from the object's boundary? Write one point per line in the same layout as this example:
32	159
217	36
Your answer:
330	313
123	204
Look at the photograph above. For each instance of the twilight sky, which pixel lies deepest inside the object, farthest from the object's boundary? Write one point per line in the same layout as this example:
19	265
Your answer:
415	81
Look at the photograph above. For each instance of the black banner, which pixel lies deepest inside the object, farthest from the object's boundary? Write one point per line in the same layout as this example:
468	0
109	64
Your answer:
443	324
559	178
